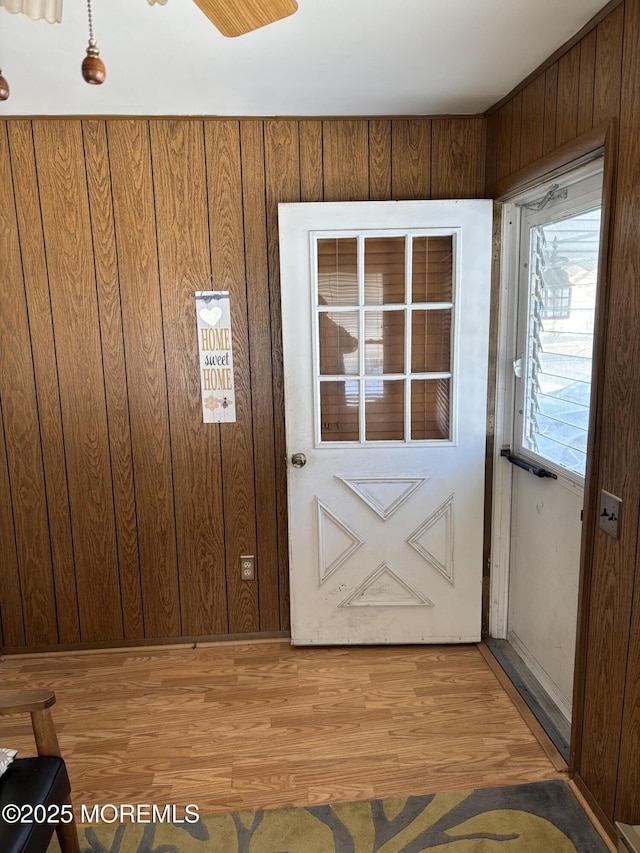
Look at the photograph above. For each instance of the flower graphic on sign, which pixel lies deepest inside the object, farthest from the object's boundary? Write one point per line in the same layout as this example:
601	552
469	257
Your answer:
212	403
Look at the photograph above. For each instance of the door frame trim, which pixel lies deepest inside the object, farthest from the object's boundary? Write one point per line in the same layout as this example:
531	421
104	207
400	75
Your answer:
504	387
599	142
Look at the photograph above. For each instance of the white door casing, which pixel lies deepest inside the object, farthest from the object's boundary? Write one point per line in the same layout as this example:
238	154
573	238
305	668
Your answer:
385	537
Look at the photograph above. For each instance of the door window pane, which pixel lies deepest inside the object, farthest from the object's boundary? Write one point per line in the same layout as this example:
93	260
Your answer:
384	410
339	411
432	269
430	409
431	341
384	270
562	297
338	271
338	339
384	341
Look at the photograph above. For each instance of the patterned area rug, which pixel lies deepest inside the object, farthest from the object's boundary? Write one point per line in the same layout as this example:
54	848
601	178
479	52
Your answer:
541	817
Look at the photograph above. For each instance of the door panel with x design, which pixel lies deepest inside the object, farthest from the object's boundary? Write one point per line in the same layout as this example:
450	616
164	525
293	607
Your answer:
385	334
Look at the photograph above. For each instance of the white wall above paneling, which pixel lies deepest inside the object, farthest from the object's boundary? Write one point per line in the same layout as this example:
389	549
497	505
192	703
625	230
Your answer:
332	58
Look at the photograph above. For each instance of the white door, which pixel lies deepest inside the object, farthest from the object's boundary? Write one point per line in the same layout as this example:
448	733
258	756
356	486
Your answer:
558	265
385	329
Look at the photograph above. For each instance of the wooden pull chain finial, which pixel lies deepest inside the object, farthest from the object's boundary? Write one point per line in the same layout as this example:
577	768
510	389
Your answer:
93	68
4	88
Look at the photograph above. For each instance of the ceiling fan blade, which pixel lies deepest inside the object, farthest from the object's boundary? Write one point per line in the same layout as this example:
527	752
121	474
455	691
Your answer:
237	17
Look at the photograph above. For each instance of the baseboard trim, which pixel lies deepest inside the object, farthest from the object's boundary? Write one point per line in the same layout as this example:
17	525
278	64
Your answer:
135	645
595	814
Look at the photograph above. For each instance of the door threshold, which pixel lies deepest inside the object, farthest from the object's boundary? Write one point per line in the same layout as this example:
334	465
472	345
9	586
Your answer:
557	728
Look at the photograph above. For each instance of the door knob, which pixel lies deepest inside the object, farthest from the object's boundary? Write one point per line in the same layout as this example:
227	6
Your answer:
298	460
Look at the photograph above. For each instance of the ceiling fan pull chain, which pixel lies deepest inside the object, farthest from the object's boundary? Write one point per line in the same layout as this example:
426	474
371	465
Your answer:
93	68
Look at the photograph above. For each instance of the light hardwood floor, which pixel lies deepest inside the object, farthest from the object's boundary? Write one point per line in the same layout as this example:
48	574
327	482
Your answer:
231	726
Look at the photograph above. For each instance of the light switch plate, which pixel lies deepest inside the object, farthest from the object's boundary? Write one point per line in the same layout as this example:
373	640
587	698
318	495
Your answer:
610	513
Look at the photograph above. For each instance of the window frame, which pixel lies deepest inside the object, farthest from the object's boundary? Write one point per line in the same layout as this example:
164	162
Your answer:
407	306
589	181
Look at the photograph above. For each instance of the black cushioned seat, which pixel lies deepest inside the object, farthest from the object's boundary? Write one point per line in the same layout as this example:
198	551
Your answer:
32	781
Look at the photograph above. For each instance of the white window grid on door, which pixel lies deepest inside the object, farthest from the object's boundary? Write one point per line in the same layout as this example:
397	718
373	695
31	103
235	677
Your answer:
356	383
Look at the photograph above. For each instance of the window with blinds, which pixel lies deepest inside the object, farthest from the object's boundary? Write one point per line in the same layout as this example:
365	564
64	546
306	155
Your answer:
563	269
384	326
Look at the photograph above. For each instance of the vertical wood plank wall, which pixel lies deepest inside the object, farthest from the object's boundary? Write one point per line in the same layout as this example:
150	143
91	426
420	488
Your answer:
578	92
594	81
123	516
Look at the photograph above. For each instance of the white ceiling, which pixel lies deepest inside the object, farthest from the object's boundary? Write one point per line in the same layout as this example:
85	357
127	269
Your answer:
332	58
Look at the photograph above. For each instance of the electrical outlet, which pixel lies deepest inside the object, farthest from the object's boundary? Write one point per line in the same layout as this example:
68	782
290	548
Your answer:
248	568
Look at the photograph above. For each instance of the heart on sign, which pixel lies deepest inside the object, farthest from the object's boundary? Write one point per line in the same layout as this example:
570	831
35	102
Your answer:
211	315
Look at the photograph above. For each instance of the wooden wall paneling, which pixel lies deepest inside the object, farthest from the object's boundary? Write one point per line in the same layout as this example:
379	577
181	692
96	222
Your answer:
135	222
21	428
591	500
503	152
580	150
184	261
224	183
516	131
531	143
411	159
345	154
627	803
282	174
605	671
550	108
608	70
491	153
568	86
457	158
311	171
257	274
380	159
115	378
612	581
72	284
11	618
36	284
135	211
586	82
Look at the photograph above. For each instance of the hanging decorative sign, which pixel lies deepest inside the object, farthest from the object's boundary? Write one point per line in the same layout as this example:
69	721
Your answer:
213	317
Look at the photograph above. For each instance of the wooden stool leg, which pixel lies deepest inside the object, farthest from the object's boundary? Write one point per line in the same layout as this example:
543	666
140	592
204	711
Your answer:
68	836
